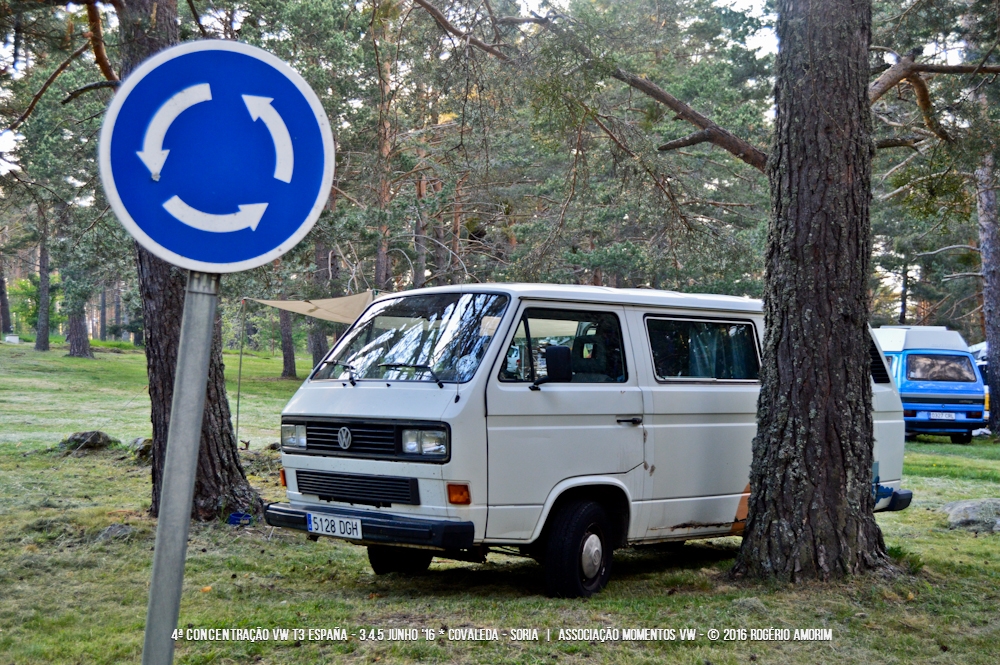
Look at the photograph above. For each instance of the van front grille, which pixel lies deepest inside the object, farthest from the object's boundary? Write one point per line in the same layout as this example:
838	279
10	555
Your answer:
366	438
356	488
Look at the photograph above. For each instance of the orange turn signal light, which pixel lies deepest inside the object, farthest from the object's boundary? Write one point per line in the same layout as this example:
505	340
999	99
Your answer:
284	483
459	494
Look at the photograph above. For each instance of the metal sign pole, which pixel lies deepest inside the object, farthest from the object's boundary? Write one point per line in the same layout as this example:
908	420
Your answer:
177	489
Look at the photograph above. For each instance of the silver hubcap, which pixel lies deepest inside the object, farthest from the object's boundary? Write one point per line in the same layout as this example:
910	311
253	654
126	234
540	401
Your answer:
592	555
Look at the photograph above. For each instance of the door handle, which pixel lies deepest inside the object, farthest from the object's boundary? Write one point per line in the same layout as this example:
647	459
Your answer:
636	420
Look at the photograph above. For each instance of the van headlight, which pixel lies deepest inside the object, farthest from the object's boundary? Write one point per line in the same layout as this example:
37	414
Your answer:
429	442
293	436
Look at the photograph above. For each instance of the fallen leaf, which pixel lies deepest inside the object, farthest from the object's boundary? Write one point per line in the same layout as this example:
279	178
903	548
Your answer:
206	589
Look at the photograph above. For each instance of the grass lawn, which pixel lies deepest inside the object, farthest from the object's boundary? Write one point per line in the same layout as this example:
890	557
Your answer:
69	595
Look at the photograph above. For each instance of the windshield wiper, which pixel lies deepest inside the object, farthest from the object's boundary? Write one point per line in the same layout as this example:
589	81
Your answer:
425	367
348	366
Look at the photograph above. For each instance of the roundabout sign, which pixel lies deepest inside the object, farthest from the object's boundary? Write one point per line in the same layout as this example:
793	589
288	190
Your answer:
216	156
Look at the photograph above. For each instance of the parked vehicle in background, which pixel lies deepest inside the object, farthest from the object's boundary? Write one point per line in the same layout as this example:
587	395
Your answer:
978	352
939	383
565	421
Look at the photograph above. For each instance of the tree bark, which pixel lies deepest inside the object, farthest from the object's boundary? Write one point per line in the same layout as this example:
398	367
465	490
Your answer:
989	252
810	508
42	327
79	343
6	326
145	27
287	345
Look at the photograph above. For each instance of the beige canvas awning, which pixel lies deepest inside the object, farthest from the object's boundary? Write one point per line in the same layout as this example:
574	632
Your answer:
342	310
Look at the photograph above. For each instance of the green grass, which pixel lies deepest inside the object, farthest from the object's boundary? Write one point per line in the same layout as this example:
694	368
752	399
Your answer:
67	596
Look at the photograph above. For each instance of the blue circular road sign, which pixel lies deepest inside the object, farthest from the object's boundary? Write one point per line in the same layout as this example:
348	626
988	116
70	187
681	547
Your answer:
216	156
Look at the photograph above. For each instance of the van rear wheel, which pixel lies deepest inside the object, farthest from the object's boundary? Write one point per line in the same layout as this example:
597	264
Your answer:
579	551
964	437
407	560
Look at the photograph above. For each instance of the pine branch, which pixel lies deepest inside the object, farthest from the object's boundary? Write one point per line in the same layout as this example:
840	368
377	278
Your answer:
45	86
87	88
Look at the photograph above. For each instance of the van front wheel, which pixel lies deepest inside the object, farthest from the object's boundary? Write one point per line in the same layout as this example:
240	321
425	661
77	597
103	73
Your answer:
410	561
578	553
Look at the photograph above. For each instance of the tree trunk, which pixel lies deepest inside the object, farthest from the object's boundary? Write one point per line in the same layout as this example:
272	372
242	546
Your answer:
903	293
327	270
440	248
383	267
42	328
989	252
103	333
287	345
118	312
79	343
145	27
420	237
6	326
810	508
454	266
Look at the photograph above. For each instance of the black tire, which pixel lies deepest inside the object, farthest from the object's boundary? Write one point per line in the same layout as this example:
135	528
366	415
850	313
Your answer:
964	437
910	437
407	560
570	536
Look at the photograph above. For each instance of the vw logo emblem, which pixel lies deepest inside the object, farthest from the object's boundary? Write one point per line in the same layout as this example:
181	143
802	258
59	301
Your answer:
344	438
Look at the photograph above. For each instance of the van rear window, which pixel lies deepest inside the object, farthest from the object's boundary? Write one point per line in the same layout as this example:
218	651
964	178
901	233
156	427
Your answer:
692	349
939	367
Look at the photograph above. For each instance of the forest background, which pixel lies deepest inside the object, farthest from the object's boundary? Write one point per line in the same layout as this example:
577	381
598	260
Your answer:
454	166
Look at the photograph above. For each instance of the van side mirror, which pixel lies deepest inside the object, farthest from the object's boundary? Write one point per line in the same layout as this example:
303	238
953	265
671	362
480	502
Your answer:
557	366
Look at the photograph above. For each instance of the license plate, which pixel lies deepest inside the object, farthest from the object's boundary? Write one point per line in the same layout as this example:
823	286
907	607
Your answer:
329	525
942	415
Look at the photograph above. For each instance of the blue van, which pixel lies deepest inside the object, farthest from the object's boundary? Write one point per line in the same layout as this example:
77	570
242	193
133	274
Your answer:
941	387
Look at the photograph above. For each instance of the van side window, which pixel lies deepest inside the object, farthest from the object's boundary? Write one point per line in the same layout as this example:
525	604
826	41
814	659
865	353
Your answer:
594	340
703	349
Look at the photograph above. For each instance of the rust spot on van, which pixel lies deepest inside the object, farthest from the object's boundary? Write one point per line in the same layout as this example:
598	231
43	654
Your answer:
741	513
700	525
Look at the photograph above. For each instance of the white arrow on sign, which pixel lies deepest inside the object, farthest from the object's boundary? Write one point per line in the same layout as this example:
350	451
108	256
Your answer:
152	154
260	107
248	216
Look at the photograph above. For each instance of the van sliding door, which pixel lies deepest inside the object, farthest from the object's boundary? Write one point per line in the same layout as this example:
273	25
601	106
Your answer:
701	406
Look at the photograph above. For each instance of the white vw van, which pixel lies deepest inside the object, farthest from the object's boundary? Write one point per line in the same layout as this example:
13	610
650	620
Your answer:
565	421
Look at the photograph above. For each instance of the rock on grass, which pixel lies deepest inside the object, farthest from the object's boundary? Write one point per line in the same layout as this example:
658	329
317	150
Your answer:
142	450
80	442
974	514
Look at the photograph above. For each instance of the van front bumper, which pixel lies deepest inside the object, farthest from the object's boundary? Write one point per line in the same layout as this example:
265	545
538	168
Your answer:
382	528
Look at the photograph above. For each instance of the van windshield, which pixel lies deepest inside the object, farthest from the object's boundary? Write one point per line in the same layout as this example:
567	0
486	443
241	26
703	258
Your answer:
439	337
938	367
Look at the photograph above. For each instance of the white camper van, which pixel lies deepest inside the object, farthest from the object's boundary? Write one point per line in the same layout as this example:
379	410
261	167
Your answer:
566	421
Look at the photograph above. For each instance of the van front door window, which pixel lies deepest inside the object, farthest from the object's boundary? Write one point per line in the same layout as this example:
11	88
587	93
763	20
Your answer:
594	340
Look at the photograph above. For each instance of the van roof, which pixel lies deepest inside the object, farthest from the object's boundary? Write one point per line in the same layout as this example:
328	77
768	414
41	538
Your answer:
604	294
904	338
